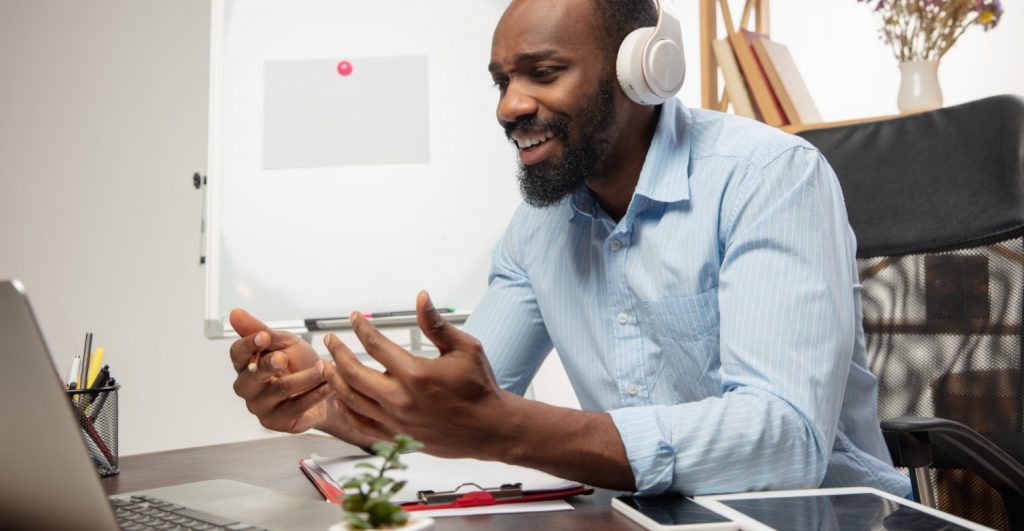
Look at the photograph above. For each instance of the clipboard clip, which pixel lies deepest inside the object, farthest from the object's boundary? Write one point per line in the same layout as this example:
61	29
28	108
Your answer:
481	496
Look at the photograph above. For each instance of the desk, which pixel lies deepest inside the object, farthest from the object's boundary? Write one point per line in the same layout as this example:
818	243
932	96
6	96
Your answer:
274	463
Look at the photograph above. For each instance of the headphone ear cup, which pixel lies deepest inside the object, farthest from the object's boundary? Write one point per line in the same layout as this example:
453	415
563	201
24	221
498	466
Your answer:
665	66
629	68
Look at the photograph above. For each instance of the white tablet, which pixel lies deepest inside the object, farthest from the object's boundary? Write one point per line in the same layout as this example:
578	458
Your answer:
854	508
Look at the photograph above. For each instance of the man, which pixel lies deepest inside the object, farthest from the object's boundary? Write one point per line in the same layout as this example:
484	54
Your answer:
695	272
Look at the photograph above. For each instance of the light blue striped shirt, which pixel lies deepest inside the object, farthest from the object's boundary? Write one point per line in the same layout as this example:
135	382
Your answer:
718	321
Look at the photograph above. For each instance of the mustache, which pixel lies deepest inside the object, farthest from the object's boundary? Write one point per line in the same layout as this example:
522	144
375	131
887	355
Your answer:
559	125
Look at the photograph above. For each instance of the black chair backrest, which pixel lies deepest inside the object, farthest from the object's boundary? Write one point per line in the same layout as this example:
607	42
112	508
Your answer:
936	201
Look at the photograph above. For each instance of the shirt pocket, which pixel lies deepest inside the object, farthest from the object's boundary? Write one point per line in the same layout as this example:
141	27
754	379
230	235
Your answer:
683	319
686	361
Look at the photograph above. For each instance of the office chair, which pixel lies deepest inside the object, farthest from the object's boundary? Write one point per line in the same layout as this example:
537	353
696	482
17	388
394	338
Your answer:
936	201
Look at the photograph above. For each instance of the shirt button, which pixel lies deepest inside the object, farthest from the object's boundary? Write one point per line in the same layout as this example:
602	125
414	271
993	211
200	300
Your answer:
633	389
616	245
623	318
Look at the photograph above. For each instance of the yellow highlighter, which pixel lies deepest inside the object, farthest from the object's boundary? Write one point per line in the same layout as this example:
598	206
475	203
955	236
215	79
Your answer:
94	366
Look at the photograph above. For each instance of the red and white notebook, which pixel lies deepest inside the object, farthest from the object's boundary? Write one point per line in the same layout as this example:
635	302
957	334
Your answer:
459	486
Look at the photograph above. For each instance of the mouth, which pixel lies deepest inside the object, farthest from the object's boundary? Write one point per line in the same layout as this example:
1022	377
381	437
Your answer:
534	146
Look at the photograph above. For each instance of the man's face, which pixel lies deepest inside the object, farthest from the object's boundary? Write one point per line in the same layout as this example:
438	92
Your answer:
557	95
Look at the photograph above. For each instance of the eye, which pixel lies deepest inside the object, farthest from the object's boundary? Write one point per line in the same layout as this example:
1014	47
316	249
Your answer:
501	83
544	72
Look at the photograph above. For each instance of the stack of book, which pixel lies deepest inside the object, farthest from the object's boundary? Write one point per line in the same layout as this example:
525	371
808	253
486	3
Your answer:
761	79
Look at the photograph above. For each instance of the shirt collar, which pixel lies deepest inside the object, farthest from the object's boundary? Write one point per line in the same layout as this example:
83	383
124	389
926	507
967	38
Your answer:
665	174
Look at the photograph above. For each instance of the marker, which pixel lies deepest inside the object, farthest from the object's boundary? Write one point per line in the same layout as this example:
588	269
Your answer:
403	313
94	367
72	378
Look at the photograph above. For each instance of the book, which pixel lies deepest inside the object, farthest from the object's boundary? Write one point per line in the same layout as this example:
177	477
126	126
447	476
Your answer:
786	81
735	86
760	88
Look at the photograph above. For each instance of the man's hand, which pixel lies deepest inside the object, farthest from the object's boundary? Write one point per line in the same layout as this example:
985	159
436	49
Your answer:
287	391
452	404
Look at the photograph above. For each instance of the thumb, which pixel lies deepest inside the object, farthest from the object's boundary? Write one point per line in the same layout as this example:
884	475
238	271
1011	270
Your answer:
437	329
244	323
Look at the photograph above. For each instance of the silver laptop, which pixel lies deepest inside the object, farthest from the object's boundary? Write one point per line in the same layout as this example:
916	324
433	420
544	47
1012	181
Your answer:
47	479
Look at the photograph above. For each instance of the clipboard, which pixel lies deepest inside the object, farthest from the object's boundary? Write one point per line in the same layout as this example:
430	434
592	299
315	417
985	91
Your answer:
456	498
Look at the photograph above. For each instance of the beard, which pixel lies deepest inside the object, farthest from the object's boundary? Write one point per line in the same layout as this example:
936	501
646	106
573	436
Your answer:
549	182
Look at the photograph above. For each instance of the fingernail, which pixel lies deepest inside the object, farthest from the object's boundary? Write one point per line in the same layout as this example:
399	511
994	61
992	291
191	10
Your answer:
320	367
354	315
262	339
327	340
428	304
277	361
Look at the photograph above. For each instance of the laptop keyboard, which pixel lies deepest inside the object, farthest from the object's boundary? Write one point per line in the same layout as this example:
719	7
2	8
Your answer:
140	513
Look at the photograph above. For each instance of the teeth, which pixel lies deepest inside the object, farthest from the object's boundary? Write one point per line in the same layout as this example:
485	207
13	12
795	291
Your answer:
530	141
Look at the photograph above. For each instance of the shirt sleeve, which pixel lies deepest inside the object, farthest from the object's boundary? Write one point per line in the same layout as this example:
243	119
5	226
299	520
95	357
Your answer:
787	328
508	321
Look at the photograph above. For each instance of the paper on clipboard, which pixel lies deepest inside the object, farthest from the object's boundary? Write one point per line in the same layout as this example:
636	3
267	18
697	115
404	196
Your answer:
426	472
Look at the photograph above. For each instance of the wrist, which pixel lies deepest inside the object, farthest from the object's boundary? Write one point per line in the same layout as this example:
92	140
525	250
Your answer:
510	435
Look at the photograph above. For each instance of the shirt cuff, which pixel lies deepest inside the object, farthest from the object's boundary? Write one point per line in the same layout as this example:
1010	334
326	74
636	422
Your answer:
646	434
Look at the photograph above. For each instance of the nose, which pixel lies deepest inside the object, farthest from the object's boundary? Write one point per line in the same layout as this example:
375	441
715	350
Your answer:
515	104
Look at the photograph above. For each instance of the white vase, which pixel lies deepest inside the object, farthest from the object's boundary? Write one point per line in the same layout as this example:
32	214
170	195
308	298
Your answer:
413	524
919	87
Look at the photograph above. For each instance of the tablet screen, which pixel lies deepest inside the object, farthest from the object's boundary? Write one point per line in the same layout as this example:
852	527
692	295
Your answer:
840	512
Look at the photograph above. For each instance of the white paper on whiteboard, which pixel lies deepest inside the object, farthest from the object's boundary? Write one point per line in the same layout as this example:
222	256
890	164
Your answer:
374	113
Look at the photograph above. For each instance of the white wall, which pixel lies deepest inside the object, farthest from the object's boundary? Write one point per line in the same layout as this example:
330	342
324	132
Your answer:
851	73
103	121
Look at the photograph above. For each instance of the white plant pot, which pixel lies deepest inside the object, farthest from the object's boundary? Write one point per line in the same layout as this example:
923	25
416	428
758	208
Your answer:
413	524
919	87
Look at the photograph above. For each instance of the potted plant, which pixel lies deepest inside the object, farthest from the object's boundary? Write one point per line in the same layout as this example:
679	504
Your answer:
367	503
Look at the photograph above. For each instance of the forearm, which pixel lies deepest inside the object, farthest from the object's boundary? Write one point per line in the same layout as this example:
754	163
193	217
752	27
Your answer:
577	445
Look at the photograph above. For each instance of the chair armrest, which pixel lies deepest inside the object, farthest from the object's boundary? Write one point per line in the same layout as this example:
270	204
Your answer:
915	438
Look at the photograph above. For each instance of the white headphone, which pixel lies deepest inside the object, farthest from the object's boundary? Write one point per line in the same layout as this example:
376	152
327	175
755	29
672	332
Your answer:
650	65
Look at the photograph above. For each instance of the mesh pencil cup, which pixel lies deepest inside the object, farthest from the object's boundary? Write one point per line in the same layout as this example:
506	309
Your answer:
96	413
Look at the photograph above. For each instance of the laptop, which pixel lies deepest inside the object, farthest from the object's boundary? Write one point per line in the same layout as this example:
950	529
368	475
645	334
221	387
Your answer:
48	480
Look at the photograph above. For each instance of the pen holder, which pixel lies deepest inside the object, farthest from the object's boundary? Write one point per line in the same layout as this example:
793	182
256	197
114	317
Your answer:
96	413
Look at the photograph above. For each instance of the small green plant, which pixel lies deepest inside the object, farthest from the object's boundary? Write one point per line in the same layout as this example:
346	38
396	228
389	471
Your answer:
368	495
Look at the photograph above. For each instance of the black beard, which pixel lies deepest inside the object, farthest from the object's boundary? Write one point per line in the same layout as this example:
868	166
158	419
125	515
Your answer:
549	182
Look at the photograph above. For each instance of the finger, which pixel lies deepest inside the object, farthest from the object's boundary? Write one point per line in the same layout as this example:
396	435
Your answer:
244	323
271	363
351	398
299	382
365	425
243	349
444	335
393	357
298	409
351	372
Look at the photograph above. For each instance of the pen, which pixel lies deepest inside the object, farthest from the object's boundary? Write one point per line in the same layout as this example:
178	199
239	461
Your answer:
84	367
253	361
98	406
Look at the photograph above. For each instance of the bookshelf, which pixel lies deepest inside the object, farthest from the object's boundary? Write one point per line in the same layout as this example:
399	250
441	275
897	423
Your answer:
754	17
709	14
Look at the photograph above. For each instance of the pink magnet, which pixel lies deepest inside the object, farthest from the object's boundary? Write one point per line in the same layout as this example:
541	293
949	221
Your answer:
344	68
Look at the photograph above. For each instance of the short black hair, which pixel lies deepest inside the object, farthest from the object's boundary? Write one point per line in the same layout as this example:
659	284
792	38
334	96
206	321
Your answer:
618	18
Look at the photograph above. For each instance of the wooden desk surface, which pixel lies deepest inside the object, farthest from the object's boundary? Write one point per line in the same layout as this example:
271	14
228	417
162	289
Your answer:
274	463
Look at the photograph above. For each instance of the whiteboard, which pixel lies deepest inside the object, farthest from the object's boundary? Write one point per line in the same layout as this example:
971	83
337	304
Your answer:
354	158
